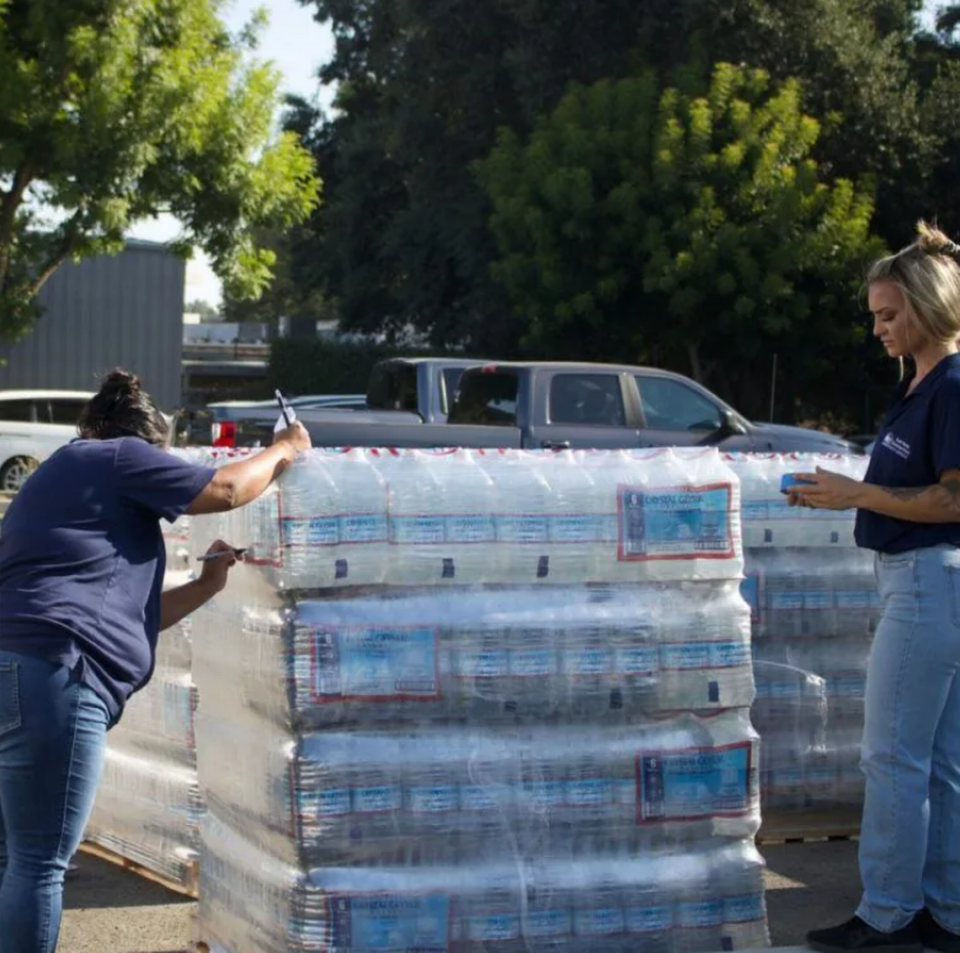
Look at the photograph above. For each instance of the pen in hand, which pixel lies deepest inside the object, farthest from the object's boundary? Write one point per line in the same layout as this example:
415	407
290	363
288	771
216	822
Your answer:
222	552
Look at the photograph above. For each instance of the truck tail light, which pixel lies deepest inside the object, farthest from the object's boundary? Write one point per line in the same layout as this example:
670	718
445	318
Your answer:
223	434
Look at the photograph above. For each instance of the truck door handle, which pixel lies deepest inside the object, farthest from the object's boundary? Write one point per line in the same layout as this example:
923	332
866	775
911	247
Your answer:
555	444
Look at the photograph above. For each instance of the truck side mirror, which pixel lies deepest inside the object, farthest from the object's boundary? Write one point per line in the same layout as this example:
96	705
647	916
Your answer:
729	424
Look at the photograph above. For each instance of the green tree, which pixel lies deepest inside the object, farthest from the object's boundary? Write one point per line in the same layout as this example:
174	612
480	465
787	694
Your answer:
686	224
113	111
403	236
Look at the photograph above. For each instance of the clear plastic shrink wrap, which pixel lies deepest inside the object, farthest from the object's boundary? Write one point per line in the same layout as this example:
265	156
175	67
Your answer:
481	700
814	608
149	803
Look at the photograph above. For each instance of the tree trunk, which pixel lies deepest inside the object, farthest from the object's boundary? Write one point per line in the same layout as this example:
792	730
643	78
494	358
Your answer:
696	365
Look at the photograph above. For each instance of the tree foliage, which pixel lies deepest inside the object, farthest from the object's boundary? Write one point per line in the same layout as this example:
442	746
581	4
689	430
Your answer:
113	111
425	84
688	222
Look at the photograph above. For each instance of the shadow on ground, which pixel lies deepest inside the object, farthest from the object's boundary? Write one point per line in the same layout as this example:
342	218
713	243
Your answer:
809	886
97	884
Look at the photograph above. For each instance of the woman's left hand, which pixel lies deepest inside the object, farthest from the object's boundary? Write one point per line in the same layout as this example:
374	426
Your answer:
214	574
824	490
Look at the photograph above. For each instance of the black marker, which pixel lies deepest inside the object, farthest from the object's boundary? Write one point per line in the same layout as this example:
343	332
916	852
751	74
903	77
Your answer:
206	557
283	407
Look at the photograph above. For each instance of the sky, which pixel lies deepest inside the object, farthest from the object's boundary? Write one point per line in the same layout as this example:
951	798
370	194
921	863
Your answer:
297	45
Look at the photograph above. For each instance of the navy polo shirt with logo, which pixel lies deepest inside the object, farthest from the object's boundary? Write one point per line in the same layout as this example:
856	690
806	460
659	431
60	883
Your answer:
82	559
920	440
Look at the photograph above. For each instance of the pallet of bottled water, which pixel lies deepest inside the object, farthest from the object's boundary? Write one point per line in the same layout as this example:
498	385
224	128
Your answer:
814	608
149	803
481	700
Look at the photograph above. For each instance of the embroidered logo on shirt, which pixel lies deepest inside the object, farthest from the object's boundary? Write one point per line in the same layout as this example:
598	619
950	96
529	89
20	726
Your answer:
900	447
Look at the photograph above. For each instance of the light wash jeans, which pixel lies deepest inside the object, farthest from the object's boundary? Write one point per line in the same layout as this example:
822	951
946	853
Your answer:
910	837
53	732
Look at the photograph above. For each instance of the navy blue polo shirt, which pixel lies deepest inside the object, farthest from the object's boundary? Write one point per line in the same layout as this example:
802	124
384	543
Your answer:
920	440
82	559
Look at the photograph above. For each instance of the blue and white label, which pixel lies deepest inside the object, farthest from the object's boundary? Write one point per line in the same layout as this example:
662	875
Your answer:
588	660
598	921
436	799
472	528
492	927
546	793
386	922
372	663
785	601
637	660
729	654
575	528
363	528
530	663
675	522
655	918
746	908
482	663
477	797
377	799
333	803
548	923
685	656
818	599
522	528
687	785
315	531
589	792
420	530
853	599
707	912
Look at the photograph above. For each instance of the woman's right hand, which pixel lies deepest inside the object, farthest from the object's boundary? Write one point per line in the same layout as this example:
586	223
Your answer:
296	435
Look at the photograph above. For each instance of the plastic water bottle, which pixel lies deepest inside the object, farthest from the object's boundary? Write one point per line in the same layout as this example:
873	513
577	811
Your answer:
598	917
308	513
648	917
416	519
490	914
739	872
523	504
575	517
481	670
442	518
363	552
699	907
534	682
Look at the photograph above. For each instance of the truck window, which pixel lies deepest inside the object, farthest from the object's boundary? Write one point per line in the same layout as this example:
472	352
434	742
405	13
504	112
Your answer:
593	399
450	381
393	387
486	398
670	405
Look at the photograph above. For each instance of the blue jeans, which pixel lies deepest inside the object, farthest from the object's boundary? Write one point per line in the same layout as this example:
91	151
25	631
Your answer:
910	837
53	731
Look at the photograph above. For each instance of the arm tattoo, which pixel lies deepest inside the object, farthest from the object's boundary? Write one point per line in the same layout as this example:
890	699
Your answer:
950	488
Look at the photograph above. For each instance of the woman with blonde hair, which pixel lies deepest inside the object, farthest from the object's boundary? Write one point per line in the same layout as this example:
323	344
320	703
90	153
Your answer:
908	512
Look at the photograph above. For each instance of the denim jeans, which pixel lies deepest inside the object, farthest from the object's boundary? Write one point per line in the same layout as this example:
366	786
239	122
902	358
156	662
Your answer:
910	837
53	734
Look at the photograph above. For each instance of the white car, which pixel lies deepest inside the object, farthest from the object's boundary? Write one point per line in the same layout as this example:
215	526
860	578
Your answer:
34	423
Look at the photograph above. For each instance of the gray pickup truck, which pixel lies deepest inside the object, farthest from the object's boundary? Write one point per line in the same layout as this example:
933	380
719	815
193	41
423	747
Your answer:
559	405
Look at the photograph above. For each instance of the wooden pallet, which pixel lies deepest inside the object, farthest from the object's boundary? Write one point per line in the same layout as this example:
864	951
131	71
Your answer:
808	826
190	888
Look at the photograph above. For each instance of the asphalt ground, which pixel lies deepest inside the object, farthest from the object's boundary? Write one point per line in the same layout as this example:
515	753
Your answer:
109	910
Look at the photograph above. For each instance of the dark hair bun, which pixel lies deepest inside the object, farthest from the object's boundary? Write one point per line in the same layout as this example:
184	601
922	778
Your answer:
120	383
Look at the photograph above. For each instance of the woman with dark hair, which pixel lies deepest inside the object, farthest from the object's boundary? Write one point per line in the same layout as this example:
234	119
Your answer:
81	606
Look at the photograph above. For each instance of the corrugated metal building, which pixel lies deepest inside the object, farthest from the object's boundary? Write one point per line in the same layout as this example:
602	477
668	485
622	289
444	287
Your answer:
113	311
